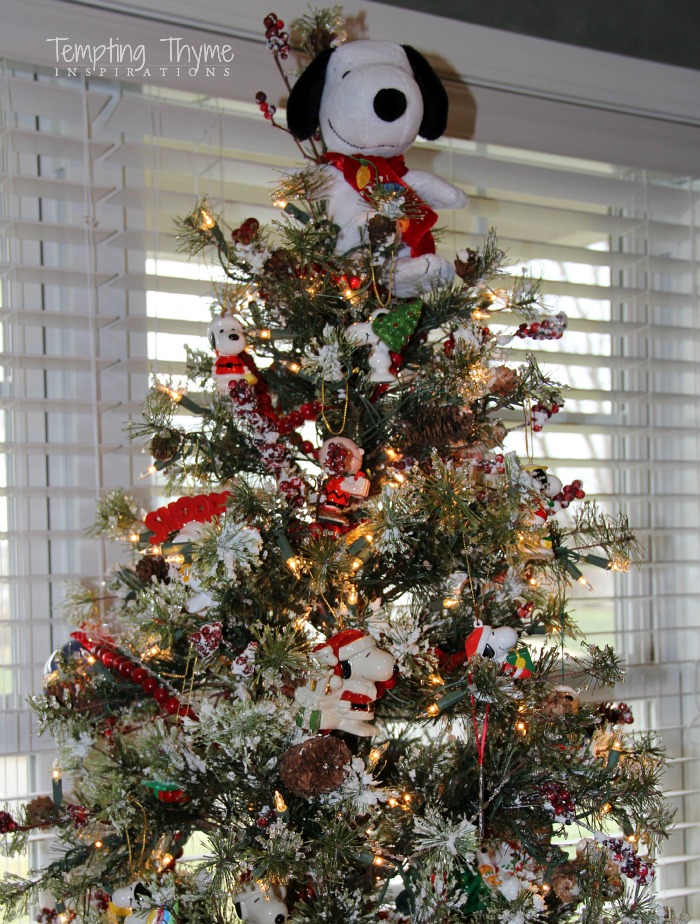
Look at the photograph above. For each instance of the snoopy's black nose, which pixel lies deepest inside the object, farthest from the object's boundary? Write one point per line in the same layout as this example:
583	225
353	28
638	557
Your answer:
389	104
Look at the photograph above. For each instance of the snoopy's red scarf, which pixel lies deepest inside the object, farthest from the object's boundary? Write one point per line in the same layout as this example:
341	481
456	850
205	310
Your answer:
365	173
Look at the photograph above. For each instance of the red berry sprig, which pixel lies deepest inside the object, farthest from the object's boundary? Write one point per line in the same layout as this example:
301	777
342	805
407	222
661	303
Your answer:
616	715
78	814
539	415
546	329
558	800
277	40
7	823
248	231
569	493
631	865
266	108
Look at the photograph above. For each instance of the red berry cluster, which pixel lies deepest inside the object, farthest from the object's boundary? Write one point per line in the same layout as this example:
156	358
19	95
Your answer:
266	108
293	488
265	817
631	865
336	460
47	916
101	900
524	611
616	715
207	639
78	814
545	329
7	823
569	493
559	801
539	415
277	40
248	231
50	915
494	466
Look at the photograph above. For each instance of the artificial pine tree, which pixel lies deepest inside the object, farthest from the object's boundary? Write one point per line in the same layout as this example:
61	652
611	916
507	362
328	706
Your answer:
340	666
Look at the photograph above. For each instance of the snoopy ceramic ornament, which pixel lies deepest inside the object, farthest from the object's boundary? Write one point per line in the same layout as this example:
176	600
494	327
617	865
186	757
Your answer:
262	906
360	673
371	100
134	904
493	644
228	341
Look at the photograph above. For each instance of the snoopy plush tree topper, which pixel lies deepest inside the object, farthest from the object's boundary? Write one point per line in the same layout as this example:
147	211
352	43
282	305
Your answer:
371	100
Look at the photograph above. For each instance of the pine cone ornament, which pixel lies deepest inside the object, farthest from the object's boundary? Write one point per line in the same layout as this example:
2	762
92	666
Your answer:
467	264
565	883
279	263
40	811
439	426
164	445
149	566
503	381
380	230
315	766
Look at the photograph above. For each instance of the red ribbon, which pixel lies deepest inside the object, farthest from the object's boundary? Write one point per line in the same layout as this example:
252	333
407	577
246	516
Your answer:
480	737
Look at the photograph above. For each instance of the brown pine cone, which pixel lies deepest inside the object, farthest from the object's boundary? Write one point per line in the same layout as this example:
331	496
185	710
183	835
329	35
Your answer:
164	445
41	810
565	883
503	381
380	228
439	426
466	269
279	263
315	766
149	565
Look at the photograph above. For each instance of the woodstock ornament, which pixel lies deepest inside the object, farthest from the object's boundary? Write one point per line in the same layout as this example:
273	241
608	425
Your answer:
342	459
259	905
228	341
360	674
371	100
362	333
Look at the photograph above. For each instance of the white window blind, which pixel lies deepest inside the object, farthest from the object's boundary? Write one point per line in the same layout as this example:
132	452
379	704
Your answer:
95	298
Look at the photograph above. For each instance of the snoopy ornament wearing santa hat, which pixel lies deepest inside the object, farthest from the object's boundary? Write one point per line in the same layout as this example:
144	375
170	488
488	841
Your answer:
498	645
371	100
360	674
232	364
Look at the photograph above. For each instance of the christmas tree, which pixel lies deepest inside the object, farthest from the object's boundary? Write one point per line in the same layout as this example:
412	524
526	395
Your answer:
338	678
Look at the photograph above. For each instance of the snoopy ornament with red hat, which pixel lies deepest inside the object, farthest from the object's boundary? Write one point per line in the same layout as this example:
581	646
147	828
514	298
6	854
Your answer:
493	644
228	341
499	645
360	673
341	458
371	100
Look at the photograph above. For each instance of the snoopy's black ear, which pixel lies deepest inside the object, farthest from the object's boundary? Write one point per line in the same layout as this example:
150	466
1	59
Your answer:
434	95
304	101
